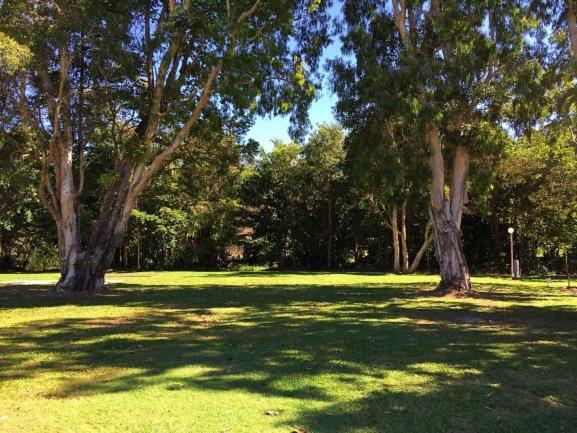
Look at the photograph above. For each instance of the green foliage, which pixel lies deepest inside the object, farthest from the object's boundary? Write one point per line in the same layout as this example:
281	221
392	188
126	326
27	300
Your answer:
189	215
25	227
13	56
536	184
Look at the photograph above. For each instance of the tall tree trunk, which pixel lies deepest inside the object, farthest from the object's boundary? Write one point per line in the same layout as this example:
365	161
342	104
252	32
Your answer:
422	250
329	230
82	271
572	26
396	248
67	226
91	265
138	251
404	249
495	234
446	213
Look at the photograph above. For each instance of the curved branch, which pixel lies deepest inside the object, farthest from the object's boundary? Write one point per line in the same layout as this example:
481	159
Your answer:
45	186
423	249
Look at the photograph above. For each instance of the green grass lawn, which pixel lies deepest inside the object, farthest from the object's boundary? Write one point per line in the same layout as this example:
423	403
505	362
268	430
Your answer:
330	353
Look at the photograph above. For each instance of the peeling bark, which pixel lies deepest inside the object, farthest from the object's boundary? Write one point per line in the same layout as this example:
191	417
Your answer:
68	233
446	213
85	271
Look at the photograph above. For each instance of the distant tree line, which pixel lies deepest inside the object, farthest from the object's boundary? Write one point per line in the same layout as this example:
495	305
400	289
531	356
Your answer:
311	207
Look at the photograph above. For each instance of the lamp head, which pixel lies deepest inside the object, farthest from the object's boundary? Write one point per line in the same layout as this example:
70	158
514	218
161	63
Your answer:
511	230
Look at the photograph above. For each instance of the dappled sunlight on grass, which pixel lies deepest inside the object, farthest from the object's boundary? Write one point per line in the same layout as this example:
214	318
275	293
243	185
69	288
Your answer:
198	351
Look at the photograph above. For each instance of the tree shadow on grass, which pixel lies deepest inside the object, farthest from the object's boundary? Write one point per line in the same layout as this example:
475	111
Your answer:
368	358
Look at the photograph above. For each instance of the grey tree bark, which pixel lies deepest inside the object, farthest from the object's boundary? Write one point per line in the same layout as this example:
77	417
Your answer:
446	213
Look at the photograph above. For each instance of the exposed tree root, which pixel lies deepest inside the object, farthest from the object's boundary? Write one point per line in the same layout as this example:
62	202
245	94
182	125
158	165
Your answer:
74	290
455	289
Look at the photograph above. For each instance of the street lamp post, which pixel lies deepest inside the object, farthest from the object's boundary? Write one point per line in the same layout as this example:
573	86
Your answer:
511	230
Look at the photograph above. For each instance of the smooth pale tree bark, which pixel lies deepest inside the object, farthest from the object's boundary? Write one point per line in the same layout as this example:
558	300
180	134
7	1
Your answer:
61	198
404	248
425	245
84	271
446	213
400	243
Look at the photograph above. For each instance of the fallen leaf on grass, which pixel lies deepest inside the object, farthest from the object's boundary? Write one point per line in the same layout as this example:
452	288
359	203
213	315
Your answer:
272	412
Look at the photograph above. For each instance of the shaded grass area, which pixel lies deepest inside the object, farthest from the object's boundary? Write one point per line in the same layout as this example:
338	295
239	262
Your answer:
214	352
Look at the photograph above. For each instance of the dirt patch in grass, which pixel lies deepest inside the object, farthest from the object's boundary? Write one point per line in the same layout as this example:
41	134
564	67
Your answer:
29	290
112	322
88	384
206	320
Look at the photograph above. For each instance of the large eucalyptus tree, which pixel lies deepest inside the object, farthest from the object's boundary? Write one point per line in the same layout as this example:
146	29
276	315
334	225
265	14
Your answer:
145	78
447	68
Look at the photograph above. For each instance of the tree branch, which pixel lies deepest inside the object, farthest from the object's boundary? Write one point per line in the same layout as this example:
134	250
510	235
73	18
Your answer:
246	14
182	134
44	186
399	14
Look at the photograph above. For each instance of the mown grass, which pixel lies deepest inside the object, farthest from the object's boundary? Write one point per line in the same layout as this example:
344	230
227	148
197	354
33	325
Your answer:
331	353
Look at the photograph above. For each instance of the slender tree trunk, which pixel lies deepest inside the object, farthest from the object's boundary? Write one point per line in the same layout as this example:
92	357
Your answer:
385	251
138	251
126	255
329	230
396	248
494	221
424	248
572	26
67	226
404	249
446	216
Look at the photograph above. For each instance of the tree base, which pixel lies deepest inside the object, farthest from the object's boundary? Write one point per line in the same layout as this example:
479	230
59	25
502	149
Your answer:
82	282
453	288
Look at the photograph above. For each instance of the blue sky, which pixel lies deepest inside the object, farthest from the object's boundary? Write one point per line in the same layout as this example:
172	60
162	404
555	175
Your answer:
268	128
